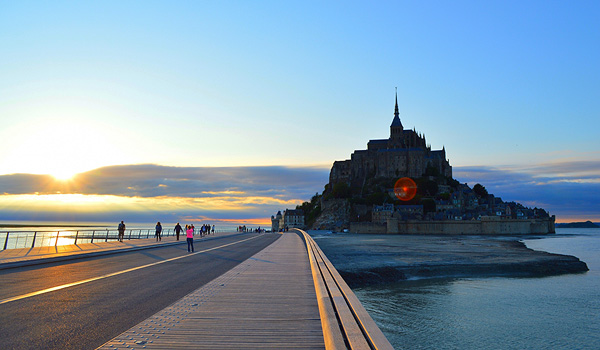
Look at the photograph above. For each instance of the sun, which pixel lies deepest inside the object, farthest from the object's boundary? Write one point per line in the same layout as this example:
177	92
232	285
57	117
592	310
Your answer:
63	147
63	175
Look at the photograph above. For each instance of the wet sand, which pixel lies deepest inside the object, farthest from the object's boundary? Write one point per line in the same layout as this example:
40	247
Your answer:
366	259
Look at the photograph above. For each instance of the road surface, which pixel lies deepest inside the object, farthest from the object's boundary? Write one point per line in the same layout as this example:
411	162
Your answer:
99	298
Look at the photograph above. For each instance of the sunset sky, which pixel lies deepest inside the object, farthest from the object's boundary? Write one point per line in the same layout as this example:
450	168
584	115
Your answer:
232	110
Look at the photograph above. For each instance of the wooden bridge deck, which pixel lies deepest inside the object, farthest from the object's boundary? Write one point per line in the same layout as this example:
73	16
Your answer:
266	302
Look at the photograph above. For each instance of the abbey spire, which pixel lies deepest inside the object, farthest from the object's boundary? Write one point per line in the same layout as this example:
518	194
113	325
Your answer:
396	129
396	122
396	113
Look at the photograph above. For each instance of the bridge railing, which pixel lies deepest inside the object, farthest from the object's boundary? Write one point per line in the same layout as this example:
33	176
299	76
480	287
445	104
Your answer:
346	324
43	238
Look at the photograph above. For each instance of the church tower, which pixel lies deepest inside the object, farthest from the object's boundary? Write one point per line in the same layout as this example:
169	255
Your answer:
396	129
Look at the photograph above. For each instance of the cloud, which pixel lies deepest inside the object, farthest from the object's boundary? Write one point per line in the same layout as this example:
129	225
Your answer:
148	192
77	207
150	180
570	190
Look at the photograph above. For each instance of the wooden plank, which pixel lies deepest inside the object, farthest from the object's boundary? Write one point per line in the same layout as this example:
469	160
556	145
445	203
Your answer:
266	302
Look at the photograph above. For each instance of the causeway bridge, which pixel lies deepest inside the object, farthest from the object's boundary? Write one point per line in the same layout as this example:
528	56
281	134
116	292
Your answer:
235	291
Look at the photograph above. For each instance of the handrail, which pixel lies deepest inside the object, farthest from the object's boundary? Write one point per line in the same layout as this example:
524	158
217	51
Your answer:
45	238
355	329
332	334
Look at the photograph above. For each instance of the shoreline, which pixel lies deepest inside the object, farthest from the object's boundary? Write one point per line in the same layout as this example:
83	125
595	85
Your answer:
368	259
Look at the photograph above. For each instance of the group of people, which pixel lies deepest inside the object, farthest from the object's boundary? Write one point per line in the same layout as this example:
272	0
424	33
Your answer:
189	235
248	229
189	232
206	230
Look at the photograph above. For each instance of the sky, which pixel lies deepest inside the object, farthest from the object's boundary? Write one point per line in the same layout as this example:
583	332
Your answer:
232	110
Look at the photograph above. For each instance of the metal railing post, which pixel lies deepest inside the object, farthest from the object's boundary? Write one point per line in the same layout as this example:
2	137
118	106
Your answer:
56	242
93	231
106	240
6	240
129	235
76	236
33	243
139	234
148	234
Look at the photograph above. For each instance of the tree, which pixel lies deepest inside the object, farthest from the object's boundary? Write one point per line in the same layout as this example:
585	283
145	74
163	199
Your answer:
428	205
341	190
428	187
452	182
480	191
311	209
377	198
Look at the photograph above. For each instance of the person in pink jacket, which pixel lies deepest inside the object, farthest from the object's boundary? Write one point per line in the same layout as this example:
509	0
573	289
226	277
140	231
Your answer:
189	231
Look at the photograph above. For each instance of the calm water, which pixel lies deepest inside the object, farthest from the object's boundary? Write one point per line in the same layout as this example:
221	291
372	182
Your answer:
561	312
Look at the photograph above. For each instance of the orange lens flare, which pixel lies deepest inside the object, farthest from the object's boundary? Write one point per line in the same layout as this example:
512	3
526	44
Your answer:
405	189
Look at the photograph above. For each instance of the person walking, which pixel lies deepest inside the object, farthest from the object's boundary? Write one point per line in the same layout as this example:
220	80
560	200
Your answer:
190	237
213	229
121	229
158	231
178	229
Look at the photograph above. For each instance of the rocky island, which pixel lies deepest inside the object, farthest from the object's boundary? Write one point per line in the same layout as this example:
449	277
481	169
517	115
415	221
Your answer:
406	217
401	185
429	226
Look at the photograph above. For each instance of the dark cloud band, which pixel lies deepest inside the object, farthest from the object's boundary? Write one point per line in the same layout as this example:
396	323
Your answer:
150	180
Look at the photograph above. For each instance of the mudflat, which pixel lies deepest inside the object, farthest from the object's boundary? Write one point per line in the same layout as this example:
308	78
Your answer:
366	259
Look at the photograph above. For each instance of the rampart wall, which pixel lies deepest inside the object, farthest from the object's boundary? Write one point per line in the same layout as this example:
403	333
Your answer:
368	227
477	227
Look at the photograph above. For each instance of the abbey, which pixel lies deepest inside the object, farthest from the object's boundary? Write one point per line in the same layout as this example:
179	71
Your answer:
404	154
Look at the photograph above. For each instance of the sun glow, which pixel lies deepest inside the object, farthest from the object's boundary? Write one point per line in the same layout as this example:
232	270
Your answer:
63	147
63	175
63	202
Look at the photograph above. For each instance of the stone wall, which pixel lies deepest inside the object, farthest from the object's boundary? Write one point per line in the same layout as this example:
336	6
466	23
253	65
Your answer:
368	227
483	227
450	227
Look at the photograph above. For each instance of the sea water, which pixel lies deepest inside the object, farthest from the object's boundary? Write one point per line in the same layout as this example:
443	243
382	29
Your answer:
560	312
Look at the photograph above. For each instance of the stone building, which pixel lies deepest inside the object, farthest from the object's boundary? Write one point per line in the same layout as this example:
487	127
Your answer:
404	154
290	219
381	213
293	218
277	222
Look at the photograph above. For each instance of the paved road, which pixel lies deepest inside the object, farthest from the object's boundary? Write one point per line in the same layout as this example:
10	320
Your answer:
86	315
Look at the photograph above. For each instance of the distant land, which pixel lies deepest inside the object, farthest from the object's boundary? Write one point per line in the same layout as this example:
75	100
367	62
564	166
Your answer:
587	224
